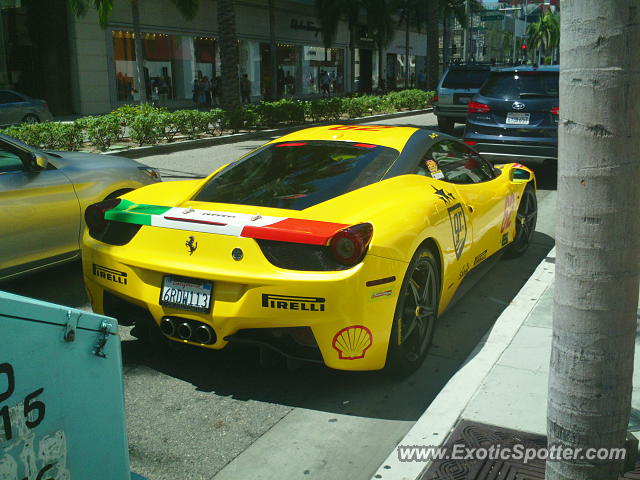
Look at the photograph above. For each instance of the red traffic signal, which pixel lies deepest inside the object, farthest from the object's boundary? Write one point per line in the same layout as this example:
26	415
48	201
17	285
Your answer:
524	47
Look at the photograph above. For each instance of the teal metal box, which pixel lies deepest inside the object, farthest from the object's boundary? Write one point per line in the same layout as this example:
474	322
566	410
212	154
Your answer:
62	411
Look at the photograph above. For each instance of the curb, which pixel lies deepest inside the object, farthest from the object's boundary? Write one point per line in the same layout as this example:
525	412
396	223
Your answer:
139	152
442	415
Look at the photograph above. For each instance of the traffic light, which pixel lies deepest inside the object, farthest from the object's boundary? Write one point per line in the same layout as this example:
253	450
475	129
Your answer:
524	48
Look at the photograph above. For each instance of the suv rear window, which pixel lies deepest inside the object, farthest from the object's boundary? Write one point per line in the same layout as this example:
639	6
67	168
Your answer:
456	79
297	175
517	85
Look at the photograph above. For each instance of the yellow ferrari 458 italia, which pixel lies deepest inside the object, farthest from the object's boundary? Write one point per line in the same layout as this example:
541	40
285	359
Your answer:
338	244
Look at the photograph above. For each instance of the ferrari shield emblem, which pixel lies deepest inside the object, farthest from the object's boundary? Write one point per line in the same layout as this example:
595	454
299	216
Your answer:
458	228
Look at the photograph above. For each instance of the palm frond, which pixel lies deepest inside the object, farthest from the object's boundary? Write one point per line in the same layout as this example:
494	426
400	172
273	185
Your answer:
187	8
103	7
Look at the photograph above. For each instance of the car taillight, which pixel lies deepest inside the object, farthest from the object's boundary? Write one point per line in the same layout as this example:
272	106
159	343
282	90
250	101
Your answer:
555	110
94	215
435	99
348	246
477	107
471	143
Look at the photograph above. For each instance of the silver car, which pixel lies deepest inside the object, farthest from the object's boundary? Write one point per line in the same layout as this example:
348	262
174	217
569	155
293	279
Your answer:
455	89
43	196
16	108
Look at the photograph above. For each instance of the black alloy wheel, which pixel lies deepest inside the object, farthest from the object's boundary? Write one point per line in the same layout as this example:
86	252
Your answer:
526	219
416	314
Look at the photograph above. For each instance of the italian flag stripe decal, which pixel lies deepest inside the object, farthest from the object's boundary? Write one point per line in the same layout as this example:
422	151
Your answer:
281	229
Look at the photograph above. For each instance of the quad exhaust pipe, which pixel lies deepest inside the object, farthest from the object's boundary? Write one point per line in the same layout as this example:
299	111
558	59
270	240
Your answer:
184	331
191	330
203	334
168	326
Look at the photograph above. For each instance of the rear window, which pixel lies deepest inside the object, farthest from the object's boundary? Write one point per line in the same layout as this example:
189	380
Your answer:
517	85
297	175
456	79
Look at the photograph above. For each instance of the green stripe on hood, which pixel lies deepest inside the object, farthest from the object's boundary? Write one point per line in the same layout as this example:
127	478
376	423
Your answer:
129	212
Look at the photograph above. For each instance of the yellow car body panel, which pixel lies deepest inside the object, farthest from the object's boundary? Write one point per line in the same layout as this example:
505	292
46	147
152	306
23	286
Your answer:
465	224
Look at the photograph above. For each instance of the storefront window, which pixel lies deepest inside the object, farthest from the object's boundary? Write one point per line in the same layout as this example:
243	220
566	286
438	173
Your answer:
403	69
125	59
287	70
249	65
177	68
322	70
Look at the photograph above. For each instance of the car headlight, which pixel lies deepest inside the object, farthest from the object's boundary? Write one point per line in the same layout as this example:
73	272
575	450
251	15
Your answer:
152	172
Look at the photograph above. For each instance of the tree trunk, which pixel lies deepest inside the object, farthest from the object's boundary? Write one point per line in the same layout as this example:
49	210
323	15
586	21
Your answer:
406	50
598	234
445	41
142	81
433	48
380	58
228	55
352	54
273	55
467	32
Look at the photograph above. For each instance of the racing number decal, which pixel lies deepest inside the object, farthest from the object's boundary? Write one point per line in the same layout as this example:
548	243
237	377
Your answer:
509	207
458	228
366	128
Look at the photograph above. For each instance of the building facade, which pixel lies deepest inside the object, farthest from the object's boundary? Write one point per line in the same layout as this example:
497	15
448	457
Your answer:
92	70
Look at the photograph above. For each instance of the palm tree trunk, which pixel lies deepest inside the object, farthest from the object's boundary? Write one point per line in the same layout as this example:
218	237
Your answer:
228	55
352	54
433	49
142	83
598	235
380	82
273	56
445	41
406	50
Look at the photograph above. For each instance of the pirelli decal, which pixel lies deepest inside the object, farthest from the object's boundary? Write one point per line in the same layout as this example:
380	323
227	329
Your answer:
115	276
288	302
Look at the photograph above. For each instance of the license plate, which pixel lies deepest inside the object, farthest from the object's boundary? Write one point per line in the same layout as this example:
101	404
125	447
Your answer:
186	293
464	100
518	118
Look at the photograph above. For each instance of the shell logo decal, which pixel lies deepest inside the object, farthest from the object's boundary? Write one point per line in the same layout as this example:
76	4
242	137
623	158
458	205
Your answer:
352	342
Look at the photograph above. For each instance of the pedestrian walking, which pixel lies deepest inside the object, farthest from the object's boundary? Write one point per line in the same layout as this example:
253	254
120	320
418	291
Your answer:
245	89
325	83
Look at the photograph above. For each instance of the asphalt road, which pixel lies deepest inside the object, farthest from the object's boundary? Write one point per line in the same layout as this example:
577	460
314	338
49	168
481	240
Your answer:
200	415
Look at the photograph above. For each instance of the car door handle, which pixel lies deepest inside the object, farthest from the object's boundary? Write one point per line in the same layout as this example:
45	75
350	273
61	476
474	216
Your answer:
470	208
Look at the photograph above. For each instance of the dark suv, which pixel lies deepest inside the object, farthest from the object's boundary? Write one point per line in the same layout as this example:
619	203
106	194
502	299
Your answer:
515	114
455	89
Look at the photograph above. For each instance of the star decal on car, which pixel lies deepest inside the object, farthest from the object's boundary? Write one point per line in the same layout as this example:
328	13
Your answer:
444	196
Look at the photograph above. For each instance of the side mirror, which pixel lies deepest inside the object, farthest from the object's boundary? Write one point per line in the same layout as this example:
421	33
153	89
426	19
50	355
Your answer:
519	175
41	162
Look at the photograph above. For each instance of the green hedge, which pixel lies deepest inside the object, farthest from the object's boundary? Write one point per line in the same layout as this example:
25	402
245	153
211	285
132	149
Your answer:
149	125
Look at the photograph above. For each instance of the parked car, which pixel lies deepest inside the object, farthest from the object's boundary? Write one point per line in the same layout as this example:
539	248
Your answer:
338	244
514	117
455	89
43	196
16	108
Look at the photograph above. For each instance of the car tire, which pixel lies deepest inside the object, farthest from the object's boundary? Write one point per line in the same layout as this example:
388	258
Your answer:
445	125
31	118
417	312
526	219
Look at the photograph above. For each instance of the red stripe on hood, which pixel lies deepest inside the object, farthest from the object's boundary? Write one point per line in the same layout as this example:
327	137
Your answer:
295	230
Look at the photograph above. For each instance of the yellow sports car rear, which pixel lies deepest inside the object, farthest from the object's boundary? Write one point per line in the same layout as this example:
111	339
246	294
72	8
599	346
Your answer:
336	244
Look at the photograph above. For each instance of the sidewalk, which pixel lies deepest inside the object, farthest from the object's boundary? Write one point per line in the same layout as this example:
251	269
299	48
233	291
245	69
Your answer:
503	382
